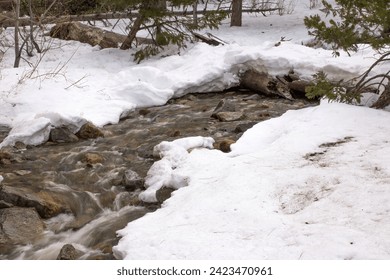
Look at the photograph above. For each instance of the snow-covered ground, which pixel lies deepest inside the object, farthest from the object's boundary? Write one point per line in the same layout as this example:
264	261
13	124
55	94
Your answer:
311	184
314	183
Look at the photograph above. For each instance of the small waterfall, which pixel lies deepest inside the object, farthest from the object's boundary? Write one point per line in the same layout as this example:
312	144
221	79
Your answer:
93	239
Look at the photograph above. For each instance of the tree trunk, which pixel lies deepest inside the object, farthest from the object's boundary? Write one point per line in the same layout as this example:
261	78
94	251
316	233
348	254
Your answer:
30	10
133	33
236	19
17	47
195	12
159	4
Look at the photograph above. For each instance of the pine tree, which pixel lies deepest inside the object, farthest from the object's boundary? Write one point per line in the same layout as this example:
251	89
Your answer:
165	25
360	22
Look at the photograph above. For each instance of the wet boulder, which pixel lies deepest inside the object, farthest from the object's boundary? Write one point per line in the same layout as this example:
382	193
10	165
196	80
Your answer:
5	157
20	225
92	158
242	127
62	135
163	194
225	105
89	131
44	202
68	252
224	145
4	204
132	180
229	116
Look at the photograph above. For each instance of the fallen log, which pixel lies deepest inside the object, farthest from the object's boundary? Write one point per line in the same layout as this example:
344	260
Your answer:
207	40
87	34
265	84
91	35
298	88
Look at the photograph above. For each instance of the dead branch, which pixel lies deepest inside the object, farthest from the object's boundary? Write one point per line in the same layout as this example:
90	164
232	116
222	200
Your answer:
207	40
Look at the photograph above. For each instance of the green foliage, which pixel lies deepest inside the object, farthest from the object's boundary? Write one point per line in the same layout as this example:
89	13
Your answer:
146	52
352	23
333	91
361	21
167	28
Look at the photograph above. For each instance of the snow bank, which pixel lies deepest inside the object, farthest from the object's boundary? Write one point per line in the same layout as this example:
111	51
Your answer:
92	90
311	184
163	173
342	120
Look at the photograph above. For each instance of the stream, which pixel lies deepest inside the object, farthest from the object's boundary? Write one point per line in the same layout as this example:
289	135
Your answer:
87	190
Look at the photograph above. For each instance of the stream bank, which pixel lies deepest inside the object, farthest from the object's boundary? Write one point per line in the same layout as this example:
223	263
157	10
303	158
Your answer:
82	192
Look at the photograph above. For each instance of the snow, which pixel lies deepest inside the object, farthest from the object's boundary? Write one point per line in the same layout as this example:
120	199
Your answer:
312	184
163	173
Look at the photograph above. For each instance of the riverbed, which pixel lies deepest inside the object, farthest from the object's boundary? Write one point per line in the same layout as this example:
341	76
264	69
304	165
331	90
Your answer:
85	191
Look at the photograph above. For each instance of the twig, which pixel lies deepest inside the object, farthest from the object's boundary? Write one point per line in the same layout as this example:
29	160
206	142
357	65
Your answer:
76	82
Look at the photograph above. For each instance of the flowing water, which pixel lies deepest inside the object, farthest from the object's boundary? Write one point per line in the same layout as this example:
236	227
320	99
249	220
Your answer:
81	190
